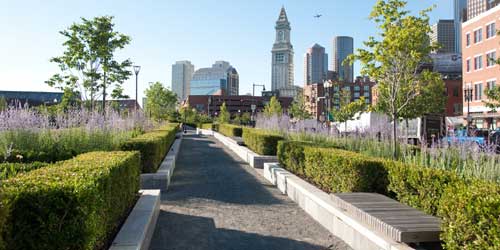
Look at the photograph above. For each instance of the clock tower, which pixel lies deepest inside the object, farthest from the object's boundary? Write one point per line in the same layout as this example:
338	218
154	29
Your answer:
282	61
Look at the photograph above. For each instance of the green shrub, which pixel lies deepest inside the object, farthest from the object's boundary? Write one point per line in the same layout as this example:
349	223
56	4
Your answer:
291	155
337	171
208	126
471	216
261	141
75	204
230	130
153	147
8	170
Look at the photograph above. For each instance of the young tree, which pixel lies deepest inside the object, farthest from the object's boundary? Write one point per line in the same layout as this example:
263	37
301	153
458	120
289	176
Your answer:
273	107
246	118
395	62
224	116
298	108
160	101
347	109
493	94
88	64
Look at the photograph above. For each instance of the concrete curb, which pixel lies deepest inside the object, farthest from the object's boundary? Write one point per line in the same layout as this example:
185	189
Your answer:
137	231
200	131
321	208
161	179
253	159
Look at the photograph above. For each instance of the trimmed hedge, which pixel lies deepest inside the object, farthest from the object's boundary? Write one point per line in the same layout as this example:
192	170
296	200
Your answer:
8	170
209	126
230	130
469	208
153	146
261	141
75	204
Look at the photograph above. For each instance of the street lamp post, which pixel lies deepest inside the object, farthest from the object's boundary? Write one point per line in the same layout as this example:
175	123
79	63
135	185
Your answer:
258	85
136	71
468	98
317	106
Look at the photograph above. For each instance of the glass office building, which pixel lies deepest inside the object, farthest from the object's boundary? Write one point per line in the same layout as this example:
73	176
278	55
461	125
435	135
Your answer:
220	79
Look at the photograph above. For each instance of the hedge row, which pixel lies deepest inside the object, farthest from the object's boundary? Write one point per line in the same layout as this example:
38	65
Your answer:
153	146
8	170
74	204
209	126
261	141
230	130
470	209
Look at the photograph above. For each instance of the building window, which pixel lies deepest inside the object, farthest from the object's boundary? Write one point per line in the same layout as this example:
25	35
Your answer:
467	39
457	108
356	88
478	62
478	35
468	65
455	91
367	100
490	30
491	59
478	91
280	58
367	94
366	88
356	94
491	84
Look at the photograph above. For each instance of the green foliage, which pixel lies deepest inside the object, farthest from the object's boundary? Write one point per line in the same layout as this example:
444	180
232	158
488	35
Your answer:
273	108
336	171
395	63
224	116
8	170
298	108
3	104
88	60
153	147
246	118
471	216
493	98
261	141
230	130
348	109
75	204
291	155
160	101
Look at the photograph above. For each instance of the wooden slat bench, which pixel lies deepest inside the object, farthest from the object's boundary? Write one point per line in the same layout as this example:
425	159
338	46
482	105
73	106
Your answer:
389	217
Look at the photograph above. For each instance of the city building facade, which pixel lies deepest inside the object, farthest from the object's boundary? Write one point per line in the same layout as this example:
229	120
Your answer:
477	7
220	79
282	79
31	98
449	65
315	65
343	46
480	45
443	33
207	104
459	16
182	73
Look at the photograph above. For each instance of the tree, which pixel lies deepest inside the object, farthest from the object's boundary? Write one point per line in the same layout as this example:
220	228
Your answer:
160	101
347	109
273	107
246	118
395	62
298	108
88	64
224	116
3	104
493	94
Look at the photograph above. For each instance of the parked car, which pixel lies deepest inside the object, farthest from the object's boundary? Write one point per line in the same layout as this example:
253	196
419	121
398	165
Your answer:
495	140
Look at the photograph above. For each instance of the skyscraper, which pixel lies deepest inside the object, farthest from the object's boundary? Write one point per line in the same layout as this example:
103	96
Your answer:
476	7
182	72
220	79
315	65
460	16
343	46
443	33
282	53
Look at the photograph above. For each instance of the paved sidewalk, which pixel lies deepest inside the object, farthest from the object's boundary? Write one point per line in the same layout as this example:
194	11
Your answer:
218	202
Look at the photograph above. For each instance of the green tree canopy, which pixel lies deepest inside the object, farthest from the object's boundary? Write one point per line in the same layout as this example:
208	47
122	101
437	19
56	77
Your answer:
273	107
395	62
160	101
88	64
224	116
298	108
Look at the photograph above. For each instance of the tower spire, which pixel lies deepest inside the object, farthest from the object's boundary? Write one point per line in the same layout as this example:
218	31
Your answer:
283	16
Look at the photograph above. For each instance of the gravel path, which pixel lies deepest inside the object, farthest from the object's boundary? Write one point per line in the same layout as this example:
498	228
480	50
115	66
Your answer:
218	202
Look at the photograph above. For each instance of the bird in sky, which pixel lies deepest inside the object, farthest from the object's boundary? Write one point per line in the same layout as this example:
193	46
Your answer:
318	16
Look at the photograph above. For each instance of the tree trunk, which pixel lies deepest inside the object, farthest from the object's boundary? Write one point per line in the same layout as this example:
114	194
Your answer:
104	96
394	137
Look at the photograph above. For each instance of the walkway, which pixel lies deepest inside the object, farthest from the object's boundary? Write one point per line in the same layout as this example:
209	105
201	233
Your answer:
218	202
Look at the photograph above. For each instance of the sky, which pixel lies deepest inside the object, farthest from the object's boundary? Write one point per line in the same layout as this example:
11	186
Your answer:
202	31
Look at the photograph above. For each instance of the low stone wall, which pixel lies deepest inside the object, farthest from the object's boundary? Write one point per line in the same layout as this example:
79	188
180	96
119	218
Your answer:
320	206
253	159
200	131
161	179
137	231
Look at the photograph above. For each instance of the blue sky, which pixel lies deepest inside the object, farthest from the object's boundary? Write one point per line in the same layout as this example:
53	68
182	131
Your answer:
202	31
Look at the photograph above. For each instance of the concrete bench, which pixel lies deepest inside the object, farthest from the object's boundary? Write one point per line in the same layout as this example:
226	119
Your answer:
389	217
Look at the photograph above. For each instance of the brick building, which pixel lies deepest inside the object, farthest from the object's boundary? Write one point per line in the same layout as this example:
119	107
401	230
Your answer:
480	45
235	104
